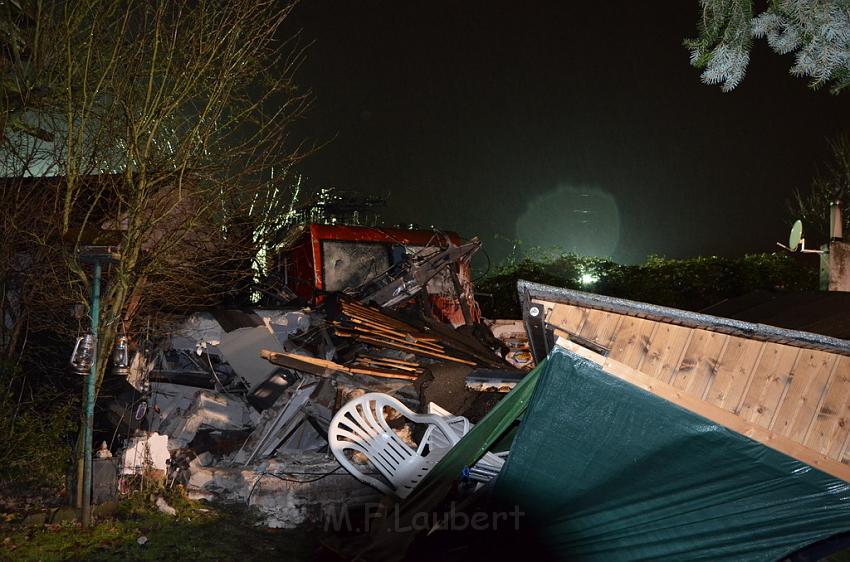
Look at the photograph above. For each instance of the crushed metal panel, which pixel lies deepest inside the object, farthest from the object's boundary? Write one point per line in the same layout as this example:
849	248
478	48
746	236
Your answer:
167	401
268	433
241	349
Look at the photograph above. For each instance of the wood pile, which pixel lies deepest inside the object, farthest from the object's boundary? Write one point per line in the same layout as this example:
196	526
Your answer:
320	366
371	326
372	338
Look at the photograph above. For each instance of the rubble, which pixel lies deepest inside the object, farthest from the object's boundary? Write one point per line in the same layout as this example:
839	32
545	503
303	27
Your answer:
493	380
241	349
274	430
145	453
512	335
291	490
236	404
207	410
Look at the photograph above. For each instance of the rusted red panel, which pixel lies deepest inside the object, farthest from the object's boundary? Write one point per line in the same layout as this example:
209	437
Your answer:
379	234
304	260
295	267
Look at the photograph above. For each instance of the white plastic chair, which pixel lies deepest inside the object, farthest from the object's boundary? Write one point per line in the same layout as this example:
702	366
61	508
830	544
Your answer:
459	424
489	465
361	425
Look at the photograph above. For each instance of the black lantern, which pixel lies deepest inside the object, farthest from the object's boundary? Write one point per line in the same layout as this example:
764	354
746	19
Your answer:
121	357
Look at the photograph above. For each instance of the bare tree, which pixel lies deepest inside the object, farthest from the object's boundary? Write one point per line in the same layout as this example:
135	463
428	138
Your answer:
164	128
162	122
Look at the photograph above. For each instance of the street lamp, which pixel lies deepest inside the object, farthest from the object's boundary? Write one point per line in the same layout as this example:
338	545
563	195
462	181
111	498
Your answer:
97	255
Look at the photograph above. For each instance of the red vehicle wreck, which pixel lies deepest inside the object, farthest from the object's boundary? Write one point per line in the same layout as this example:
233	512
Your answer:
327	258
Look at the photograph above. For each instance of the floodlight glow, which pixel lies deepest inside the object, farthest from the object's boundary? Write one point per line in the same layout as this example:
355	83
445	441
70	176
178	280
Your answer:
571	219
588	279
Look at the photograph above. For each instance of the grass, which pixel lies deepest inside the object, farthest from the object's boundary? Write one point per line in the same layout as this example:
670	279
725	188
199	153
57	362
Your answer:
200	531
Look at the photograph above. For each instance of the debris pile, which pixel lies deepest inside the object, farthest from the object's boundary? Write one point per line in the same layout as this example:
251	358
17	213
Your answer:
236	404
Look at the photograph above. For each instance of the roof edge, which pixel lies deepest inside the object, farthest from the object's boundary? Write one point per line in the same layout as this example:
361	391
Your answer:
528	291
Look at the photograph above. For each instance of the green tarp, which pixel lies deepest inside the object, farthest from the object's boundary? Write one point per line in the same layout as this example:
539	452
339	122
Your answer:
607	471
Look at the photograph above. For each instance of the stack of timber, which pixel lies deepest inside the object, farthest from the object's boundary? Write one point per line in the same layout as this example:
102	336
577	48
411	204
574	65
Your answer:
787	389
380	329
388	365
378	337
318	366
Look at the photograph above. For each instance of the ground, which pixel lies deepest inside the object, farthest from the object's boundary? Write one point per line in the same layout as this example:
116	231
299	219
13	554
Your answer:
199	531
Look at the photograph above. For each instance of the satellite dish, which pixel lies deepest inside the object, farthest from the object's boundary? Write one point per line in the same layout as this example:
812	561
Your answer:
796	236
796	240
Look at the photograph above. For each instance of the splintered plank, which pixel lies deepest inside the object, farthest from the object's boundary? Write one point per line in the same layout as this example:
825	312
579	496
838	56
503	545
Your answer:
415	350
665	351
808	386
733	372
567	317
321	367
832	423
697	367
768	384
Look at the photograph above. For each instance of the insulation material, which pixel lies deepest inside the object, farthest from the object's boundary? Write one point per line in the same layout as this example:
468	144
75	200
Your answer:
512	334
606	471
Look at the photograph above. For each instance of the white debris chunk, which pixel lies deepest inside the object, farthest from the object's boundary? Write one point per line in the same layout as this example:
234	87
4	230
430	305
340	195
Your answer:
163	506
145	452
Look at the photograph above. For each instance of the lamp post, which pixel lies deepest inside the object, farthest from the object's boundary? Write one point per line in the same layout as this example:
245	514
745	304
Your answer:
97	255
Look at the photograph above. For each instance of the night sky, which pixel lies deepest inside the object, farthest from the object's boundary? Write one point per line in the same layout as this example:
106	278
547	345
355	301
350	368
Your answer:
576	124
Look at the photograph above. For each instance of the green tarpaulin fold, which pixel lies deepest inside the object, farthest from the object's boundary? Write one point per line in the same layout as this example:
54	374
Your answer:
607	471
